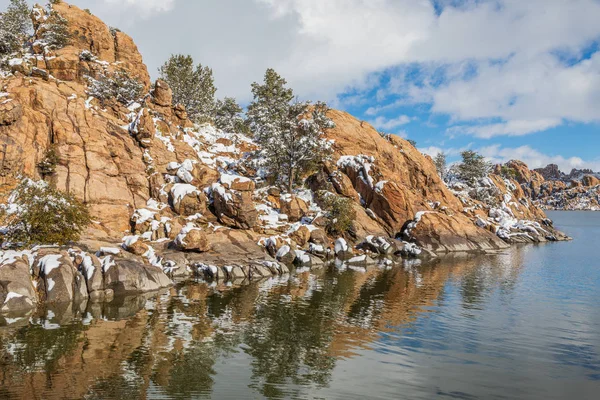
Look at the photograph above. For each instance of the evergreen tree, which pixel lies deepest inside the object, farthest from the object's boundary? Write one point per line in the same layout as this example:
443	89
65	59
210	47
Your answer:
55	31
192	86
228	115
15	26
473	167
440	164
289	133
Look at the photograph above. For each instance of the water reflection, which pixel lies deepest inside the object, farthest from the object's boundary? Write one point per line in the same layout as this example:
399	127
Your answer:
283	337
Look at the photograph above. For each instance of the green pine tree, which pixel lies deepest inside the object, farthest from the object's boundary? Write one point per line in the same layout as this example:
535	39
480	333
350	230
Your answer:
192	86
228	115
290	133
15	26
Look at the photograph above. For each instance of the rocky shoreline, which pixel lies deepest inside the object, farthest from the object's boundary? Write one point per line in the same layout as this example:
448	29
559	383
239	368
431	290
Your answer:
171	198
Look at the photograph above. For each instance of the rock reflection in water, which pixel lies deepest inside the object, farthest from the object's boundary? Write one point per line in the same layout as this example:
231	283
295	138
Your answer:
290	331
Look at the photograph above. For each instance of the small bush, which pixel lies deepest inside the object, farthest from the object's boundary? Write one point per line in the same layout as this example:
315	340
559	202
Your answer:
113	31
118	86
38	214
87	55
48	165
87	10
340	213
508	172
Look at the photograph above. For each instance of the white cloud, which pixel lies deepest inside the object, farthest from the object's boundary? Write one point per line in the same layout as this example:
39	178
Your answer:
488	64
509	128
145	7
536	159
386	124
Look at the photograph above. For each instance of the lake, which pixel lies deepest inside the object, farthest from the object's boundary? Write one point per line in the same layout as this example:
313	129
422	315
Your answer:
521	324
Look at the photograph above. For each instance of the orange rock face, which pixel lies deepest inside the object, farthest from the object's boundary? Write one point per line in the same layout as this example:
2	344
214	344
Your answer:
117	159
398	183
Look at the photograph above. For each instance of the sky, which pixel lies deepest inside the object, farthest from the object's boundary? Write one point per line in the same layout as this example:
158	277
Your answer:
511	79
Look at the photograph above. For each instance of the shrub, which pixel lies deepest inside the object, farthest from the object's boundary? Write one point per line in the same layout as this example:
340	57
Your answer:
118	85
413	143
86	55
38	214
508	172
48	165
340	213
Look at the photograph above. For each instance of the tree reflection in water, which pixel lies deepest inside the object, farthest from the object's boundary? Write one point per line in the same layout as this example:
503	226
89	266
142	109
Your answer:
174	345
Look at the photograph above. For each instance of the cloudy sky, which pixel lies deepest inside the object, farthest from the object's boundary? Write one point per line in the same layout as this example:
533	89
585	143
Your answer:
509	78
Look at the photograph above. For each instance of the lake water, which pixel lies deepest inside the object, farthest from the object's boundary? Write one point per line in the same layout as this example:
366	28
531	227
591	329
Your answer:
523	324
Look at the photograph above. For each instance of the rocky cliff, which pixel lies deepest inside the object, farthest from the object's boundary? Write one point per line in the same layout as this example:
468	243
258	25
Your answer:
552	189
178	196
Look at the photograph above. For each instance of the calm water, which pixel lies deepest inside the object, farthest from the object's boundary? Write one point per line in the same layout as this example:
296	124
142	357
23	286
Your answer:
522	324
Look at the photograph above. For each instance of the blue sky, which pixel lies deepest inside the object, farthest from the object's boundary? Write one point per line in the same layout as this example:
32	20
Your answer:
509	78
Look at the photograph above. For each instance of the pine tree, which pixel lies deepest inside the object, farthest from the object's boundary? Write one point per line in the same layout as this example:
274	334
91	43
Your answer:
15	26
289	133
440	164
228	115
55	31
473	167
193	87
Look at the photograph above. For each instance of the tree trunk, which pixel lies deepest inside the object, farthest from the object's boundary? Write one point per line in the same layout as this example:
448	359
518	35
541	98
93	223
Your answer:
291	180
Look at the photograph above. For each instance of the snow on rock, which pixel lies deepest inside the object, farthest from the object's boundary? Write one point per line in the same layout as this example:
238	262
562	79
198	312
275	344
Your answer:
229	179
12	295
341	246
48	263
360	163
88	267
110	250
412	225
180	190
302	257
107	263
129	240
411	249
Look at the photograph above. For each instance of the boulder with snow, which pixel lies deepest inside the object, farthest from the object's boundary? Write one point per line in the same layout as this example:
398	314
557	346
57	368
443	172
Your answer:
237	182
378	245
128	276
59	282
187	200
319	236
293	206
191	238
286	255
135	245
234	208
91	268
342	249
301	235
17	293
